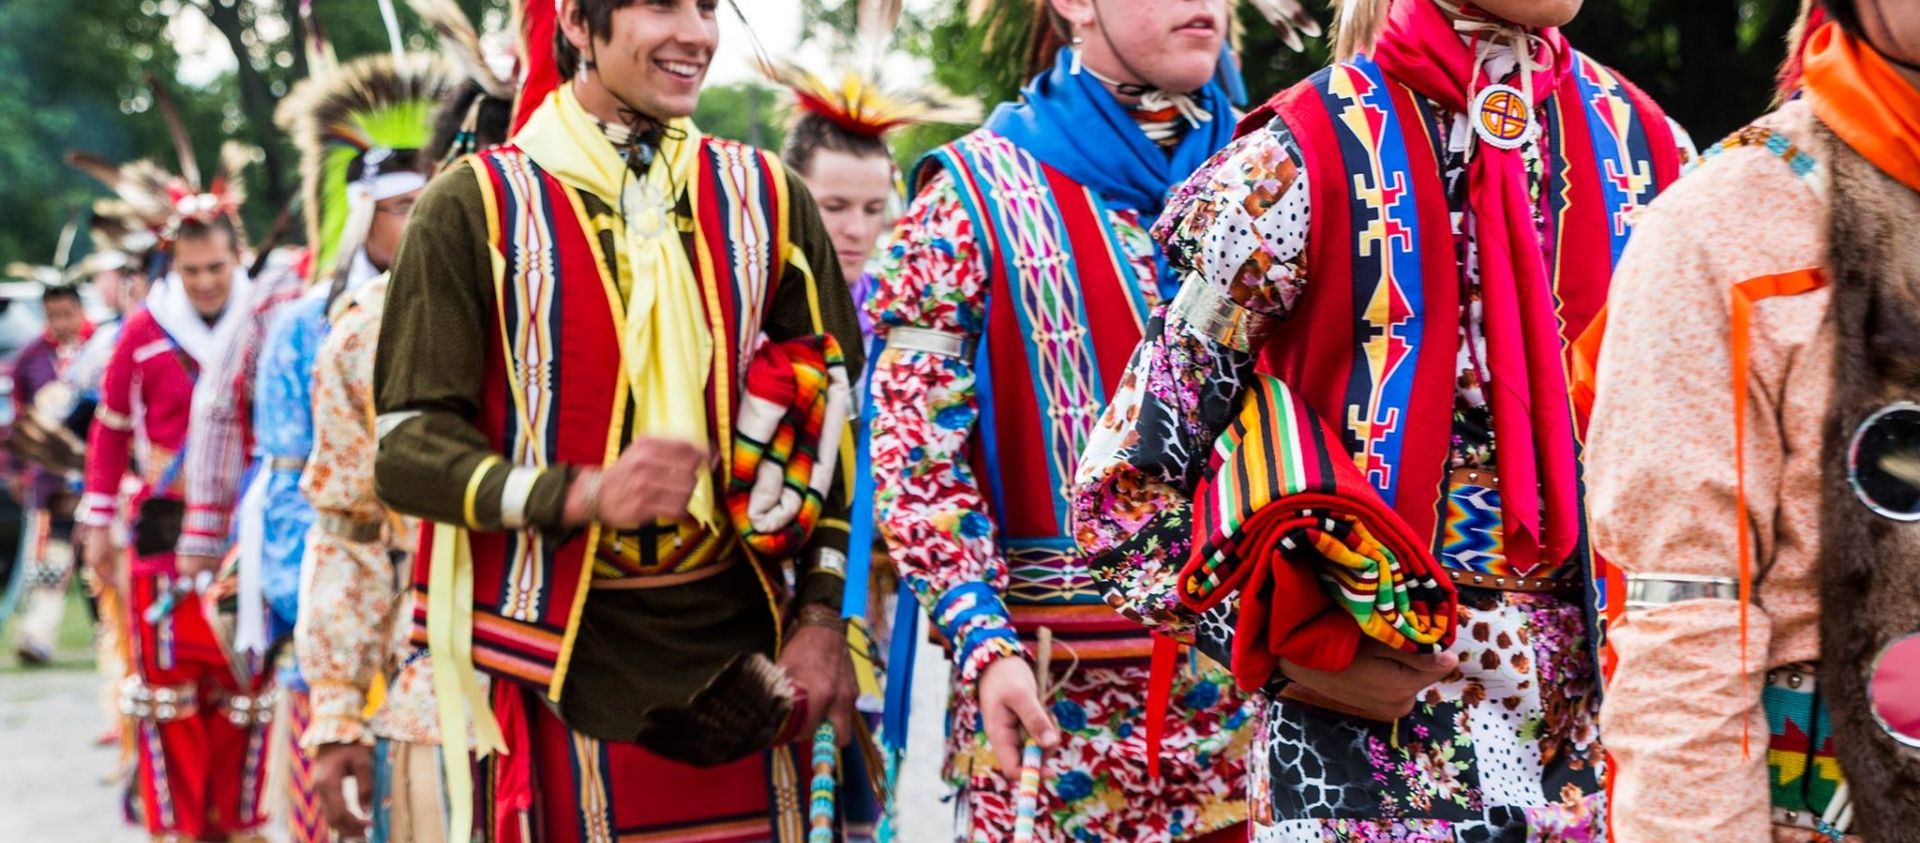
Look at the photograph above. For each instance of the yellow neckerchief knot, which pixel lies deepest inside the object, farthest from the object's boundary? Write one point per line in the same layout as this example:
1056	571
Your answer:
665	343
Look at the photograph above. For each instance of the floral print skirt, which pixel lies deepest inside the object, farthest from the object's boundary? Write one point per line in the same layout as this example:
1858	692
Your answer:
1505	749
1095	787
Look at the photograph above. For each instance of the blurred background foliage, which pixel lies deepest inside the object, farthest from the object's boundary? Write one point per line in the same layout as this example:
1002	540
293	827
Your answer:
72	76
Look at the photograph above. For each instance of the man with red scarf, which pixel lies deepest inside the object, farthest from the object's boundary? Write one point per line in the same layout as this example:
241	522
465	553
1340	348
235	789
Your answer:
1768	678
1381	275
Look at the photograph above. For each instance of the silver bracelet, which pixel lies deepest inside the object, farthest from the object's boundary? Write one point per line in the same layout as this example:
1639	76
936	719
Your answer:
590	493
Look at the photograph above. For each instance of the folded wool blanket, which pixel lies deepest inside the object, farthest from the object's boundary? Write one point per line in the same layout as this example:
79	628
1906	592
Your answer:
786	442
1285	519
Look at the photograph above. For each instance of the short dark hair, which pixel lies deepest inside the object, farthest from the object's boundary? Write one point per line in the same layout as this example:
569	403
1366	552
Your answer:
811	132
492	117
200	229
1844	12
598	16
55	292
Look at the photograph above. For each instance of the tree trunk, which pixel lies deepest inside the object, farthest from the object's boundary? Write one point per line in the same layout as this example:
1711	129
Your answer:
290	9
256	98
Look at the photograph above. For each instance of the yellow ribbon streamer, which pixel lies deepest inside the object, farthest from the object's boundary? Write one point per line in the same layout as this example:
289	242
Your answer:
456	686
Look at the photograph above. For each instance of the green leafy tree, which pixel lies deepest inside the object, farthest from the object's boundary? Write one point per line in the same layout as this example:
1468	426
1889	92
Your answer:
750	112
73	76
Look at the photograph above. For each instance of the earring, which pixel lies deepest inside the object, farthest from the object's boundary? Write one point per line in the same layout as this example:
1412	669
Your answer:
1073	68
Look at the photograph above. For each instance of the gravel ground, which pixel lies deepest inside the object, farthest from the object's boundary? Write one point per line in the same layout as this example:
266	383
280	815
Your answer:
53	778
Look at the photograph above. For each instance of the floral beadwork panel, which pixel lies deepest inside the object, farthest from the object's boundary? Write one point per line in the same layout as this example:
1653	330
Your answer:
1095	787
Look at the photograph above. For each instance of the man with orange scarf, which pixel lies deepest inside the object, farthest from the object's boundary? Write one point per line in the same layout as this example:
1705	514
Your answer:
1768	682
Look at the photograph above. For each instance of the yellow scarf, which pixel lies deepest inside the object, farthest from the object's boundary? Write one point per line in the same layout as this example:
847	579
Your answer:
664	341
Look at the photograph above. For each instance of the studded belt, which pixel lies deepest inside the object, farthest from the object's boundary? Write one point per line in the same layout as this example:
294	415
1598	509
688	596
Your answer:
158	703
244	710
1508	582
1474	550
1805	785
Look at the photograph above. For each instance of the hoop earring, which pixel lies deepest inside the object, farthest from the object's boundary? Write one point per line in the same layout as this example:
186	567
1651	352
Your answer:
1073	67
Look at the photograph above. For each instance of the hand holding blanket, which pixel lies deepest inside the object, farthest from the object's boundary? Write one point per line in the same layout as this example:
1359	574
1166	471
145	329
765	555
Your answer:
1287	520
786	443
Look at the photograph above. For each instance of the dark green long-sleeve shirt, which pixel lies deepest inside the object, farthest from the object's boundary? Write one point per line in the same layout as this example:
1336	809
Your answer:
428	375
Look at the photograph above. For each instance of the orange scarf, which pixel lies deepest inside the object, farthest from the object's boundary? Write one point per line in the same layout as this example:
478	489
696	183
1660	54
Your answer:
1865	102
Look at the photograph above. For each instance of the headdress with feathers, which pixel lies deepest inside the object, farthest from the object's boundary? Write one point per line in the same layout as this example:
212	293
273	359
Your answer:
159	202
62	271
120	239
858	103
363	120
493	73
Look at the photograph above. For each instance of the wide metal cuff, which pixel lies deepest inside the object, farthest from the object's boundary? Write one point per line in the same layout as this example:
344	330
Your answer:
1209	313
515	494
929	341
1648	590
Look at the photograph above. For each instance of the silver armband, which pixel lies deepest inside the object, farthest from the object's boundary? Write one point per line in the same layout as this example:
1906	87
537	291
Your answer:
1648	590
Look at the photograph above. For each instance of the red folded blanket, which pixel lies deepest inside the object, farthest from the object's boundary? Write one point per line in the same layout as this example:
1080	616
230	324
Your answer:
1286	519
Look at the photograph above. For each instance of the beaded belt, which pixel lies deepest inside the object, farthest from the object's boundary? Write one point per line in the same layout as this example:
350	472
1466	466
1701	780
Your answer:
1473	542
1806	787
289	464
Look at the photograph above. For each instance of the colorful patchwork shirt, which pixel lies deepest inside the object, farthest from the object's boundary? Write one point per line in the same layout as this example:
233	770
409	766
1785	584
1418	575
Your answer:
221	441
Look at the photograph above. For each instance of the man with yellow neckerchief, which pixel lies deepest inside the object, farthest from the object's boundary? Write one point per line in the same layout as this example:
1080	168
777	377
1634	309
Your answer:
559	376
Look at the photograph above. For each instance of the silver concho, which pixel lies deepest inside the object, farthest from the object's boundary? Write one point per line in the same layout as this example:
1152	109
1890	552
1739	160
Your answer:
646	208
1883	462
1893	689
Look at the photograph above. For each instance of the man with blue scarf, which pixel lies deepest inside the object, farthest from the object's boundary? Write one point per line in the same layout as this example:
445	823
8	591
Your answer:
1007	305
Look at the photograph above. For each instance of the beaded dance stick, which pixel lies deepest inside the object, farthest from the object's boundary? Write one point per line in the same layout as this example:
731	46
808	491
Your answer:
820	814
1026	803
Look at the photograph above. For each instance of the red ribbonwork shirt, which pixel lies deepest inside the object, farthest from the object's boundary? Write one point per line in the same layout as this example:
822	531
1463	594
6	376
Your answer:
146	402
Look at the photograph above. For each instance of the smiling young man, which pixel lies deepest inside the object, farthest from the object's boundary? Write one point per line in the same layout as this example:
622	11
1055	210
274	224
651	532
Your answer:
200	725
1362	375
1024	264
558	379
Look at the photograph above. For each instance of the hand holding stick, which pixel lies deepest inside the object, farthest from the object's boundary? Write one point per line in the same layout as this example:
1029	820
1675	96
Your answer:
1027	801
820	811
